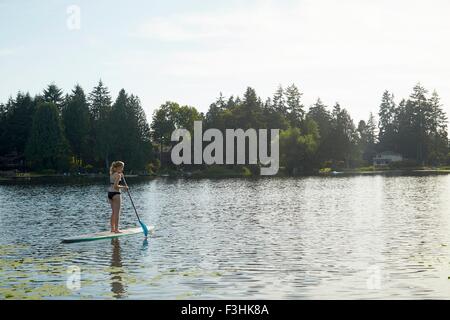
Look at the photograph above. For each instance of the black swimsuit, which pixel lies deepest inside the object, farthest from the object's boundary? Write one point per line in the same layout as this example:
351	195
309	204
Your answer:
111	194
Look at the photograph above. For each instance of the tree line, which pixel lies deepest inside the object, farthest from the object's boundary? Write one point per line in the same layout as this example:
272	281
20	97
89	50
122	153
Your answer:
321	136
75	132
85	132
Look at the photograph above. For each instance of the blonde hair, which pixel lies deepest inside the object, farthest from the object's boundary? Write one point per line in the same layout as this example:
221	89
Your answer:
115	165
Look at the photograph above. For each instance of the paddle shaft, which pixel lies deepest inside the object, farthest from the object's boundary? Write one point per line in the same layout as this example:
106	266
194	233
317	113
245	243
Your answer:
131	199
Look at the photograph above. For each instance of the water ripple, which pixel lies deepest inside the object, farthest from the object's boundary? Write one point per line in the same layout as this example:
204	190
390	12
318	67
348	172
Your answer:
368	237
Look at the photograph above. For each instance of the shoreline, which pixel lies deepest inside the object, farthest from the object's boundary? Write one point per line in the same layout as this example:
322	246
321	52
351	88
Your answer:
232	174
37	176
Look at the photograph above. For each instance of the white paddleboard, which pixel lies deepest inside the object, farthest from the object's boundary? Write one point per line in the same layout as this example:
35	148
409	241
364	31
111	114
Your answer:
105	235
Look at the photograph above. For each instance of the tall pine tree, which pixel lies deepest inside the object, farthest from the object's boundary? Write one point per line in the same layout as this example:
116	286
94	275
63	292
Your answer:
54	95
386	124
47	147
100	110
294	107
76	122
18	117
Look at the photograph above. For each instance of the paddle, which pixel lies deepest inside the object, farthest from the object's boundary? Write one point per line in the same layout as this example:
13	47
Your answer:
144	227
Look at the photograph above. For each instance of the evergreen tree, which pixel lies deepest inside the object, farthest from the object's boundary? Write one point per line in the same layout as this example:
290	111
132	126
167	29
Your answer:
54	95
279	102
371	130
47	147
143	128
422	121
438	131
18	117
294	107
370	150
319	113
248	113
76	120
387	118
218	113
233	102
121	132
417	128
343	135
367	138
100	109
405	137
139	134
272	118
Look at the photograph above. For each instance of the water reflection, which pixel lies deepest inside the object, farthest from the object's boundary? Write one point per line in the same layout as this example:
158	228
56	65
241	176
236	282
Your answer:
145	244
117	286
242	238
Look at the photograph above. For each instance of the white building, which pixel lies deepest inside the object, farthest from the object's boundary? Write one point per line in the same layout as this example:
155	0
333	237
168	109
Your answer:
386	157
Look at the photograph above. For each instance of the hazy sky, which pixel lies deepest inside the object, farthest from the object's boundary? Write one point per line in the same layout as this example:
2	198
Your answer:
348	51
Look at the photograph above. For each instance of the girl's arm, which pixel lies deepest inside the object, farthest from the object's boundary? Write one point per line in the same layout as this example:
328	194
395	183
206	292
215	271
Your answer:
117	186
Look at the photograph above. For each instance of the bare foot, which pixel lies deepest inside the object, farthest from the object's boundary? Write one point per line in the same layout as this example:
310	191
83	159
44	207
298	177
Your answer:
117	231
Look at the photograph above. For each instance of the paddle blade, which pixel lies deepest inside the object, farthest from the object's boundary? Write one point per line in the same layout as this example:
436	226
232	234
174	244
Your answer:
144	228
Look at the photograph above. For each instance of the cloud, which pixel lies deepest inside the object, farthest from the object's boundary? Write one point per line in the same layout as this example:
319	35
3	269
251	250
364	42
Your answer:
308	34
210	26
346	50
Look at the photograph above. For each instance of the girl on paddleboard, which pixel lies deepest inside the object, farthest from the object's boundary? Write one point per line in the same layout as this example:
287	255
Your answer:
114	192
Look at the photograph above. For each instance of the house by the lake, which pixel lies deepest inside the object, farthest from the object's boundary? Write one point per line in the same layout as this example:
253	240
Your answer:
386	157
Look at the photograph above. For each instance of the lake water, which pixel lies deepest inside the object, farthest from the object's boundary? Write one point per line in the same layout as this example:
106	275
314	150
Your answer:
363	237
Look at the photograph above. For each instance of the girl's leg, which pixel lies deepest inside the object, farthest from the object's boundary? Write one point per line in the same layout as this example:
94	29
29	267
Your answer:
116	204
111	202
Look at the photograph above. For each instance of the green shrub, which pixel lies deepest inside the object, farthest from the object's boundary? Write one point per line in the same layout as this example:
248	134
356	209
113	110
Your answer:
328	164
367	168
154	166
246	172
